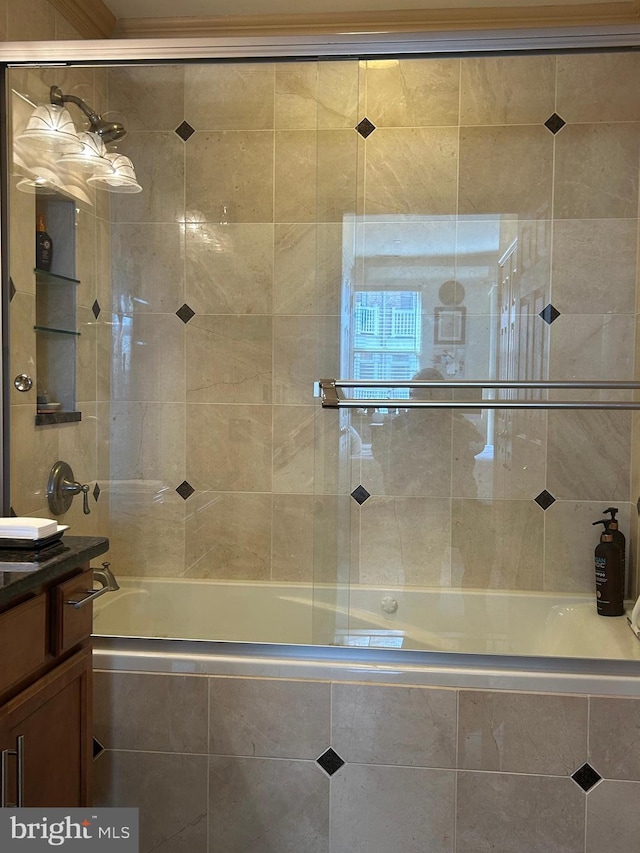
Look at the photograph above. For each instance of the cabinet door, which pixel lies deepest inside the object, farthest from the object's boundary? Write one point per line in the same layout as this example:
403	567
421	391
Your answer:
49	724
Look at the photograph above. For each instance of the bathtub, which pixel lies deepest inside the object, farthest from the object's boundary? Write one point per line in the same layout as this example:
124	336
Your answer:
527	624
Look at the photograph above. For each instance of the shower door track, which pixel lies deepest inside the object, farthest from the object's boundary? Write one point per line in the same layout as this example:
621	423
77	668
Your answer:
331	394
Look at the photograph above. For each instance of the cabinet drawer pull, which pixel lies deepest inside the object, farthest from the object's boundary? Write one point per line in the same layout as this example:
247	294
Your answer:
109	584
19	754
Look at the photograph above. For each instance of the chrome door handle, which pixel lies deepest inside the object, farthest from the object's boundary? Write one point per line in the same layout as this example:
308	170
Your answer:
19	754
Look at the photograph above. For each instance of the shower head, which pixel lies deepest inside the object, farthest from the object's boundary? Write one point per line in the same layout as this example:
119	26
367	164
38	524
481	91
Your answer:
108	131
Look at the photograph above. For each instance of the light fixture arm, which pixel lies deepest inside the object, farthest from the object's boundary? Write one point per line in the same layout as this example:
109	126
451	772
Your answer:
108	131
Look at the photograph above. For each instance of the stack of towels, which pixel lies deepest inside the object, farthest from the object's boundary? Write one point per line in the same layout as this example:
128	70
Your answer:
27	528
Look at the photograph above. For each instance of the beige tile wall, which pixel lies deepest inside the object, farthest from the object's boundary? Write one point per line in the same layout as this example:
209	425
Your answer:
424	767
245	223
84	445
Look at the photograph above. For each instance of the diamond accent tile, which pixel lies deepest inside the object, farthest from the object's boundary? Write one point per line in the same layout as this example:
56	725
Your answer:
12	289
365	128
97	747
96	492
184	131
545	499
330	761
185	490
360	494
185	313
96	309
12	512
554	123
586	777
549	314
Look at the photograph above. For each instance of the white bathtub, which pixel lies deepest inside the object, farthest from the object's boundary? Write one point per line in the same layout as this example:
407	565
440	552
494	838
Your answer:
437	620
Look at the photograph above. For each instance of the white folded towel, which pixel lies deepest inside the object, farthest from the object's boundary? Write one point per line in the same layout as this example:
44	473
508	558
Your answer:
27	528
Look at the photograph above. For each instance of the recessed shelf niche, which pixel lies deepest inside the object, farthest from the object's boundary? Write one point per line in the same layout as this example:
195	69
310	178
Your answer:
56	317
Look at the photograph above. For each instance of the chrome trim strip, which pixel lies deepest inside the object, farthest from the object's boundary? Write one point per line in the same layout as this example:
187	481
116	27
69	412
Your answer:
348	44
341	663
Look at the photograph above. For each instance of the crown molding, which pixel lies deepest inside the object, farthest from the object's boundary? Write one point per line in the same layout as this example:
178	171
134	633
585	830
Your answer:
91	18
419	20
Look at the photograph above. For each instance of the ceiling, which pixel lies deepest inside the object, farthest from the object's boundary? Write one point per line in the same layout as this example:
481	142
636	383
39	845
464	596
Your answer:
123	9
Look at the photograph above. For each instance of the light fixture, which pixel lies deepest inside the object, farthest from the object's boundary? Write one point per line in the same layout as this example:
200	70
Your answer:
122	178
51	128
92	157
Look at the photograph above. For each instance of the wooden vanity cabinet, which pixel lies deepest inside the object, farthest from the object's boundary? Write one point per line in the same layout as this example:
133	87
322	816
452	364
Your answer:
45	695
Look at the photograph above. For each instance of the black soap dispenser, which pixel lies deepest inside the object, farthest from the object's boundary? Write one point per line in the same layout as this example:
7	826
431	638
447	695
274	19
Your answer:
44	246
609	575
618	537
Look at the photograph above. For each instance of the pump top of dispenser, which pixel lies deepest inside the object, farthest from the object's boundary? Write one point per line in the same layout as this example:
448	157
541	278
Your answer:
607	534
614	521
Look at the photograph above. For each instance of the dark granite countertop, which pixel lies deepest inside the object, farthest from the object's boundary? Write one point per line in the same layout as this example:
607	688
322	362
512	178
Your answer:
24	571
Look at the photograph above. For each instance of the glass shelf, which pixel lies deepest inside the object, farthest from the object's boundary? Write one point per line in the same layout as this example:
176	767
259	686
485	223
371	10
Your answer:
56	331
51	276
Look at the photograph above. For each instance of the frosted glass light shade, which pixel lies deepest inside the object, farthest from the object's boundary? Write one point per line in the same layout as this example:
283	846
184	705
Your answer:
121	180
92	157
51	128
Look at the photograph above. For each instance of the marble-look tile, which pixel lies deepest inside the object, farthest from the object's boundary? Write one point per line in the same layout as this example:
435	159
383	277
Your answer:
505	813
614	746
228	359
147	441
38	445
229	96
104	353
510	732
315	175
413	92
259	805
506	170
294	274
295	344
613	817
594	266
269	718
404	541
151	712
147	268
228	536
147	517
507	89
86	355
229	268
569	543
310	95
86	257
148	98
497	544
229	447
64	31
296	537
379	809
588	455
170	791
376	724
597	87
413	451
293	449
393	184
77	445
147	357
296	96
596	171
158	158
592	346
33	20
230	176
468	439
